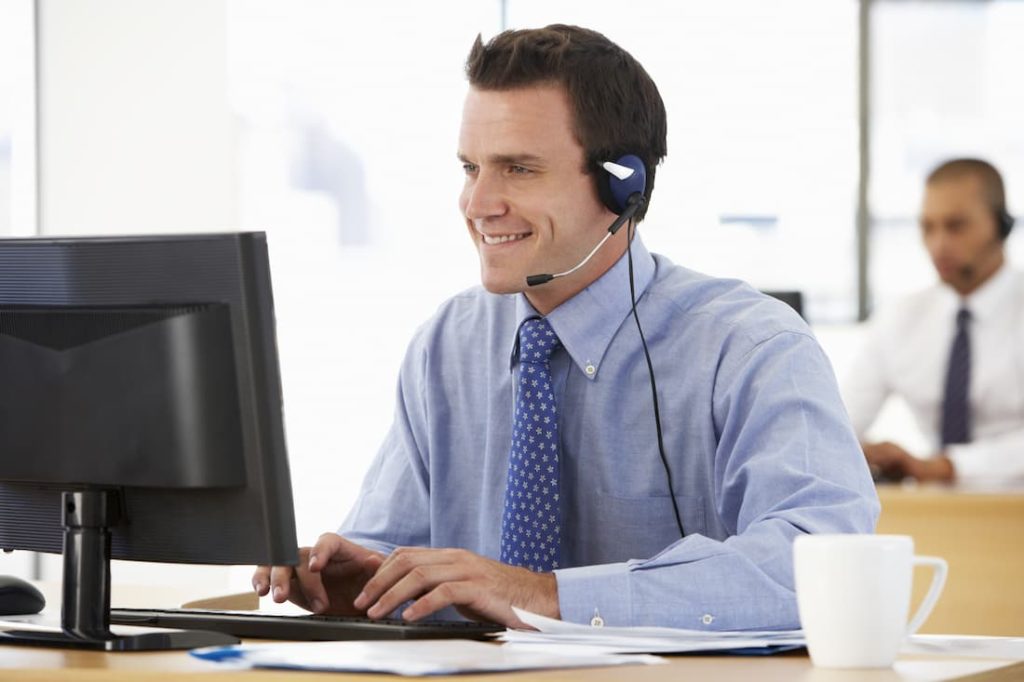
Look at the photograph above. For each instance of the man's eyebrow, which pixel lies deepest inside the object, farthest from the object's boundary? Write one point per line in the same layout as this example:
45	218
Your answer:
503	159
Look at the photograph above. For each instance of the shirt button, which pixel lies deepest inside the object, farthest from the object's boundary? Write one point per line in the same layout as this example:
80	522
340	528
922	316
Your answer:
590	369
707	619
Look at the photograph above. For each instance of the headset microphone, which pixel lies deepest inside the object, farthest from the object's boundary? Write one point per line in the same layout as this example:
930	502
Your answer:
622	191
635	202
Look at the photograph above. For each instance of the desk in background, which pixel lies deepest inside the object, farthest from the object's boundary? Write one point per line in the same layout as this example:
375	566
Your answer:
981	535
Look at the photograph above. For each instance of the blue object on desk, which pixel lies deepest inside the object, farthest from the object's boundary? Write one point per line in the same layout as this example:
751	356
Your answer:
219	654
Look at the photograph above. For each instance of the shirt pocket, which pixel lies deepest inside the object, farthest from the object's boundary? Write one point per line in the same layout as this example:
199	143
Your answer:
646	525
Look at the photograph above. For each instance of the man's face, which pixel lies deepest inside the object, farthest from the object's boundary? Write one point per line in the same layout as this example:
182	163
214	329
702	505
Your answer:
960	232
529	205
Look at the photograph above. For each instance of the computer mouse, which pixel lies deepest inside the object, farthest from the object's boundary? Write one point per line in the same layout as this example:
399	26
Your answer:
18	597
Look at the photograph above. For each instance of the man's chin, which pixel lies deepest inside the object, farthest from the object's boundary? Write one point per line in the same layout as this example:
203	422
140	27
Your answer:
503	287
503	284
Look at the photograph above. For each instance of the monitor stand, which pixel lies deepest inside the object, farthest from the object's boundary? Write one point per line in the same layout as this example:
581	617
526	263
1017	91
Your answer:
85	610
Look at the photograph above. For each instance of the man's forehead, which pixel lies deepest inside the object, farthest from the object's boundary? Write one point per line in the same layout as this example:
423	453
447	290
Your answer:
967	186
527	110
519	125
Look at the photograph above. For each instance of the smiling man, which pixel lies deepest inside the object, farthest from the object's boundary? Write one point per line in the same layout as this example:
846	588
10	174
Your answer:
954	351
532	462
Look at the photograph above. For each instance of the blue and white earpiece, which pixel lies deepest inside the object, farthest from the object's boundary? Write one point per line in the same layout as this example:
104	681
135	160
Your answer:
624	177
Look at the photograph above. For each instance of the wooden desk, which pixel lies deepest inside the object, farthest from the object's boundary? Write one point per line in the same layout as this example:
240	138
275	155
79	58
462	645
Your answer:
981	535
32	665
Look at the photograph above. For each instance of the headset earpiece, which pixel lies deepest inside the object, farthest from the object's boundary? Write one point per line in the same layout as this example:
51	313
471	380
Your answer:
1005	221
614	190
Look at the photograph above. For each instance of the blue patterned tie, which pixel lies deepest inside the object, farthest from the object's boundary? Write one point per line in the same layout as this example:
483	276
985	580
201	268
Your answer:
956	414
531	522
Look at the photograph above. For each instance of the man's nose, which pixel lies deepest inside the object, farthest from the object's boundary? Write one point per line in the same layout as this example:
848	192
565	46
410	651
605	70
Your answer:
936	242
484	197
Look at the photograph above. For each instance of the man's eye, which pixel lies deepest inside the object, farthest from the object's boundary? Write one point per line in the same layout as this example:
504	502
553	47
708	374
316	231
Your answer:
519	170
469	167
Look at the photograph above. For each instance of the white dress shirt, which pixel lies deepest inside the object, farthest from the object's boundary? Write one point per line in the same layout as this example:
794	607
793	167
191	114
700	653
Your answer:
907	353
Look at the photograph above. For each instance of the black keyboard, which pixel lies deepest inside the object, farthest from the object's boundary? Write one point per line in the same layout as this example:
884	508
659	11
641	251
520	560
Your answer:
308	627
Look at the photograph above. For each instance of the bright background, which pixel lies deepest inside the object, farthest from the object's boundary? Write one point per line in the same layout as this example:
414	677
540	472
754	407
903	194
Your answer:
332	126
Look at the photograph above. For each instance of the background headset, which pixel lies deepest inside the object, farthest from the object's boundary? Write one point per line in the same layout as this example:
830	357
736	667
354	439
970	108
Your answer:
1004	221
621	189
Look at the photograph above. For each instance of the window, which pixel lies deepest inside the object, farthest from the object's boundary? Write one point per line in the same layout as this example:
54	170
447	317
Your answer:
349	116
762	131
17	118
945	82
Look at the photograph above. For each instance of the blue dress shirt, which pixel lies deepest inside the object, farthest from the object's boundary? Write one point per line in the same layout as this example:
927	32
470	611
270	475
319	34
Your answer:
758	441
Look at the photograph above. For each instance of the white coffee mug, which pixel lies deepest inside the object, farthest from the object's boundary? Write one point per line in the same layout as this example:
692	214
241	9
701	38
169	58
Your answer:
853	594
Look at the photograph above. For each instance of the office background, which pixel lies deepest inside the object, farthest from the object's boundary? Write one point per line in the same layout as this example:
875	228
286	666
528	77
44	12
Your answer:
799	135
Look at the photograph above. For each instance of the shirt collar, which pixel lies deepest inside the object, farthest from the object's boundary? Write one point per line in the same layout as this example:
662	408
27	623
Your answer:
990	298
587	322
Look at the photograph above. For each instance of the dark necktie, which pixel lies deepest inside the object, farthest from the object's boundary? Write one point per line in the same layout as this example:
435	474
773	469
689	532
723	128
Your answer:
531	522
956	413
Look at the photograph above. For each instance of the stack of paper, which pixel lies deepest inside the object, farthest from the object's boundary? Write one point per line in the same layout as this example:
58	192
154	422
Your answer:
414	658
624	640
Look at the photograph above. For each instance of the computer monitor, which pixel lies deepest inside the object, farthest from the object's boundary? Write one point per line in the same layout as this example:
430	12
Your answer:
794	299
140	415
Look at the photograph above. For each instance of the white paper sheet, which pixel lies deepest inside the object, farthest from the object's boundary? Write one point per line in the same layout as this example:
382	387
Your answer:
412	658
640	639
967	645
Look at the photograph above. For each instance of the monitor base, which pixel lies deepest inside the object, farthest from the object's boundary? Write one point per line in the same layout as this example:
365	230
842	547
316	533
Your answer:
146	641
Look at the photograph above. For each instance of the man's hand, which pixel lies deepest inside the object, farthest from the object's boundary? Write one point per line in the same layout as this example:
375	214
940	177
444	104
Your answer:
938	468
481	589
895	463
329	576
886	460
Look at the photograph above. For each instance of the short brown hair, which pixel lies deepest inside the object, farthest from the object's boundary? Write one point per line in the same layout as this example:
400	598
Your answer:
616	106
991	185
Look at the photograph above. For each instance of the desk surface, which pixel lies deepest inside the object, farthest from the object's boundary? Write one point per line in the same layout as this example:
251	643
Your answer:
978	532
17	663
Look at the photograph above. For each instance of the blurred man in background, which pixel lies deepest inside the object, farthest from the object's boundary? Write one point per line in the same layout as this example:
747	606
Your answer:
954	351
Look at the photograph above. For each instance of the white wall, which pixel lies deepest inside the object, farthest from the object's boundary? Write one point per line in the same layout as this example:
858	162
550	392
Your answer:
135	131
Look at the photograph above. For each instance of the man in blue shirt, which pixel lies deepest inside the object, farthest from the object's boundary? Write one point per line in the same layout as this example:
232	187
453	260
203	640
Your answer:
757	445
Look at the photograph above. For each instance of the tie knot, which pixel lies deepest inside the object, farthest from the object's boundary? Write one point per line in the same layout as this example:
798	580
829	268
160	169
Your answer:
536	341
963	316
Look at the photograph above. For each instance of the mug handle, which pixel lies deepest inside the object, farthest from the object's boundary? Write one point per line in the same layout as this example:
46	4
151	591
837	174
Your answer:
938	582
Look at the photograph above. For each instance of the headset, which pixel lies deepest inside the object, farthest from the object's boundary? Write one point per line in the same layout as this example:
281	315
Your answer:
621	189
624	196
1004	221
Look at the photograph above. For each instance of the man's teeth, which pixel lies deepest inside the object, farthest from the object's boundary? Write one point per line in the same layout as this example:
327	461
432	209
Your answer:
501	239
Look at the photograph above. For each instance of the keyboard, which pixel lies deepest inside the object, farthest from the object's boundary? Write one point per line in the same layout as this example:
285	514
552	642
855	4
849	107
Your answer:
306	627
